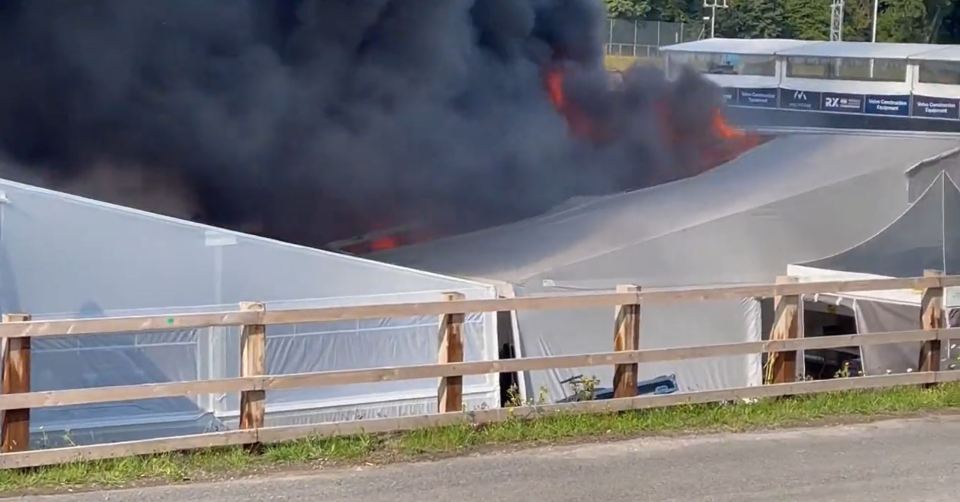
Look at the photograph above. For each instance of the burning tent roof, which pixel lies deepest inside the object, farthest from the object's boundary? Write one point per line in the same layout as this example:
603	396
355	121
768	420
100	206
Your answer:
780	169
791	199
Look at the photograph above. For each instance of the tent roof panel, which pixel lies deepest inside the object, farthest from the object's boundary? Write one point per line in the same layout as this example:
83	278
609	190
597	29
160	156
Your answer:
878	50
743	46
921	238
213	235
947	53
781	168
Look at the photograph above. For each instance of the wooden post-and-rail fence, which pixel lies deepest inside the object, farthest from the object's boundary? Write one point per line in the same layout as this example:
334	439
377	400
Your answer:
784	342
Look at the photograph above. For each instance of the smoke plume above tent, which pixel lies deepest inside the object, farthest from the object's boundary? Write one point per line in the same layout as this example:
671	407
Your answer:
312	120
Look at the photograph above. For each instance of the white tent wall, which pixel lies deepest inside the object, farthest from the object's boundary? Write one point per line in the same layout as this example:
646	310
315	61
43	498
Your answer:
877	317
358	344
66	257
661	326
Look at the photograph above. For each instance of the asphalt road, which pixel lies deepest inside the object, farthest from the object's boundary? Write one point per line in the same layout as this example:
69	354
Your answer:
895	460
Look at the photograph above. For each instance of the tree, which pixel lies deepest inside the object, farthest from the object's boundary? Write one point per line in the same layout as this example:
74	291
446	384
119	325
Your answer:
751	19
807	19
858	20
903	21
680	11
628	9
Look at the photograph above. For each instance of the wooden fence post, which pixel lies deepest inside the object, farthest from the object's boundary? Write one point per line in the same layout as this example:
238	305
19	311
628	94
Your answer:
253	349
450	392
16	379
782	366
931	318
626	336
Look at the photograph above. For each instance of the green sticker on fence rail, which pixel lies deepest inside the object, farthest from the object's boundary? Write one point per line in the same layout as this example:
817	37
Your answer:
170	321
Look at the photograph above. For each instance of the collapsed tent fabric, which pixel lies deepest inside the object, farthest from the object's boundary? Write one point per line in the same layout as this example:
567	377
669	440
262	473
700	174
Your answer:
926	236
791	199
67	257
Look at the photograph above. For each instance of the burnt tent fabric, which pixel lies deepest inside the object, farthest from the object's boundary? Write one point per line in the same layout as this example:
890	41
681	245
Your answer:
926	236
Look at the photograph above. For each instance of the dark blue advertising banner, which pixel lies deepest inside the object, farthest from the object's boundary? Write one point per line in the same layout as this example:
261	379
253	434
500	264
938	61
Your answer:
799	100
845	103
759	97
730	95
939	108
888	105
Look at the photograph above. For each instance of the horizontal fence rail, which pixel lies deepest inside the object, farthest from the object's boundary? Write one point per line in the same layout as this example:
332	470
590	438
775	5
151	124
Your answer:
47	399
17	400
105	325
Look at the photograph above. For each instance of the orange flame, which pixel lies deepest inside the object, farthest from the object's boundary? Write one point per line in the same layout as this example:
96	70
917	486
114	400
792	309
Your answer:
384	243
555	89
723	129
579	123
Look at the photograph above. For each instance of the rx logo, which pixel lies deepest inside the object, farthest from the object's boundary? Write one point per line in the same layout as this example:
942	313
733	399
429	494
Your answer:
833	102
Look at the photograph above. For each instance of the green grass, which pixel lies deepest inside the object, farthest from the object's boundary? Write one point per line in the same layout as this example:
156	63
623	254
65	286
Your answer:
306	453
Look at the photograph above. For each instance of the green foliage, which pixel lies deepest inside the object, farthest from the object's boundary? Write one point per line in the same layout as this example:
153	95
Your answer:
858	20
628	9
903	21
899	20
751	19
806	19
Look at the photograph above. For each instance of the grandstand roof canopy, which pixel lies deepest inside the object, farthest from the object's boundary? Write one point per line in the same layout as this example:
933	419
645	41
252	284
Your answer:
736	45
859	50
790	47
947	53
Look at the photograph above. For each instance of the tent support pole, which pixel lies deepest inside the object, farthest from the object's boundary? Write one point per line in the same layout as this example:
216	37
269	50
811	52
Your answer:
626	336
450	391
931	318
16	379
782	366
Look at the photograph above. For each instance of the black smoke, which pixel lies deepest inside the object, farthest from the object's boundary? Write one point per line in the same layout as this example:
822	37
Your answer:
310	120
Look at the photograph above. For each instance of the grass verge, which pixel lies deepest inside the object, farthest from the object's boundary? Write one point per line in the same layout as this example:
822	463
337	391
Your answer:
430	443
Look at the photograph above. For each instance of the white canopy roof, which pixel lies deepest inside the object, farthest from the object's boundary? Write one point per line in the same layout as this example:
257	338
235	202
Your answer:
925	237
859	50
792	47
784	167
947	53
744	46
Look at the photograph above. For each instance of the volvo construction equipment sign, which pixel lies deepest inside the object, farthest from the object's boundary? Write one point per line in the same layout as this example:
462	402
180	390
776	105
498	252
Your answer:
905	105
799	100
938	108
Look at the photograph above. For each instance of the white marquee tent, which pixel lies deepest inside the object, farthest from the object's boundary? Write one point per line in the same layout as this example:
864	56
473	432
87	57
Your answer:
793	199
65	257
925	237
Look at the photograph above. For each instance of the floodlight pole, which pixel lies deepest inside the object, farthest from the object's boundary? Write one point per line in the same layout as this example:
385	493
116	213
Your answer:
713	4
876	12
836	21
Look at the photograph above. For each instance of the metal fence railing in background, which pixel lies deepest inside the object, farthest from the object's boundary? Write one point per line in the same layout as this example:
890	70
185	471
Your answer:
639	38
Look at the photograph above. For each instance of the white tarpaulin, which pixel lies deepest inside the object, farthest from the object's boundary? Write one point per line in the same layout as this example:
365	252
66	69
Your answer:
66	257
